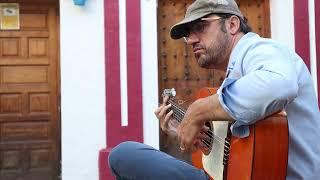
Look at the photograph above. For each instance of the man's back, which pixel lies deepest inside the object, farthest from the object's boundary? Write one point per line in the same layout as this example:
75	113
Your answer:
304	128
264	77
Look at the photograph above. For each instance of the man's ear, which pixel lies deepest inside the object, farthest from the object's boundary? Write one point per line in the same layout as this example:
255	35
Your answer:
234	24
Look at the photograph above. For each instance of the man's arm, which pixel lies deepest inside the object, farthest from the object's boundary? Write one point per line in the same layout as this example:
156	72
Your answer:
198	113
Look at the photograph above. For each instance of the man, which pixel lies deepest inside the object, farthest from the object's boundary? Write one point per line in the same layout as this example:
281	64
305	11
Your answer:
255	67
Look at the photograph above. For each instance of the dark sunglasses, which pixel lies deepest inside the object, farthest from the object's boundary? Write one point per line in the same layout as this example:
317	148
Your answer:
198	26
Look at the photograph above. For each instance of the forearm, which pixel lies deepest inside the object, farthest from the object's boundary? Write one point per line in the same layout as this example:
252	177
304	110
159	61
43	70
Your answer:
208	109
219	114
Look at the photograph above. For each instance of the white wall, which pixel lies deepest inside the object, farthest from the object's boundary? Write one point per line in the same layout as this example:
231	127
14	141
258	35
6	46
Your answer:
82	88
312	36
149	71
282	21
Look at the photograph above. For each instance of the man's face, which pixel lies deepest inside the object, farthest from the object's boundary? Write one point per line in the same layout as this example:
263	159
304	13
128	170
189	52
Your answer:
209	41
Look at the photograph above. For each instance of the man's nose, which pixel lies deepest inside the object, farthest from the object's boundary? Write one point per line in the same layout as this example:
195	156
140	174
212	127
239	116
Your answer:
193	38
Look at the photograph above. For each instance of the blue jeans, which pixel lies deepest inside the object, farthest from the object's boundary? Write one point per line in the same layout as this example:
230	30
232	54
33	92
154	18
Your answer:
133	160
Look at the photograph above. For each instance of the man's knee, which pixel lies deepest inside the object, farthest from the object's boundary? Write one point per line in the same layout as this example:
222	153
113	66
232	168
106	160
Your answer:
122	151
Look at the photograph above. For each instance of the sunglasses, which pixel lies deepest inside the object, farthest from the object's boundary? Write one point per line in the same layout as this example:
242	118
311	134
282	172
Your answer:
198	26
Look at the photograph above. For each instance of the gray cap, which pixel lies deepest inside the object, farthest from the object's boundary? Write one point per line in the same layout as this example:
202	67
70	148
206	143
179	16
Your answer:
201	8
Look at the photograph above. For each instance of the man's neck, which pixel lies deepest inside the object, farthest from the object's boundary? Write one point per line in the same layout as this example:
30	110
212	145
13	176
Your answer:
235	39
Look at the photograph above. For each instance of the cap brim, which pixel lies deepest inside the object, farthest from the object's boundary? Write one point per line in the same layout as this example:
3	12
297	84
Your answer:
179	30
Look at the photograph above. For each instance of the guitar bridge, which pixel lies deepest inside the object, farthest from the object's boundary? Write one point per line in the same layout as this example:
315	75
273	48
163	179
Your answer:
226	151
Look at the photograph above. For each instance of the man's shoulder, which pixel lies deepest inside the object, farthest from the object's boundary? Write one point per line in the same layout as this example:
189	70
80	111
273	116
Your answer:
264	45
253	47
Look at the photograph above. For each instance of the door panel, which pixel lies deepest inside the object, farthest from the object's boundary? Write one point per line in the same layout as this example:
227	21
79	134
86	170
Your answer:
177	66
29	83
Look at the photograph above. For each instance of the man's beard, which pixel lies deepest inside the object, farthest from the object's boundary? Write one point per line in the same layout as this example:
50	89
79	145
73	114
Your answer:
215	53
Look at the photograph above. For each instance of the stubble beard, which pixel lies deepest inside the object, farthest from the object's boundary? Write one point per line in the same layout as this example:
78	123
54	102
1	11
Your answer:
215	53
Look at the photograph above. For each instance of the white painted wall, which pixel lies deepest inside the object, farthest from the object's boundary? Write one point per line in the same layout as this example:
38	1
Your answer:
149	71
83	119
282	21
123	62
312	35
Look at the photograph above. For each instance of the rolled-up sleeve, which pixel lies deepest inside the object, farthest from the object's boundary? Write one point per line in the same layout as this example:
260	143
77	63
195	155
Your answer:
269	83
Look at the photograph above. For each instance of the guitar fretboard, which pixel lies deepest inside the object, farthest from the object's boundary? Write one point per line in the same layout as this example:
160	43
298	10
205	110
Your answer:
178	112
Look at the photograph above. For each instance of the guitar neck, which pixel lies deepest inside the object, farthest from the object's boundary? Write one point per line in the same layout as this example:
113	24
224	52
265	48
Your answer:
178	112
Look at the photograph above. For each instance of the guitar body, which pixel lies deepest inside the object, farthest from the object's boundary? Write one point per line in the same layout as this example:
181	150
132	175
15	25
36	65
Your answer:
261	156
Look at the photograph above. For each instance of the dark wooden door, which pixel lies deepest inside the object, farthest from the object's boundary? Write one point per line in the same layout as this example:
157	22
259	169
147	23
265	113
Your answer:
177	67
29	92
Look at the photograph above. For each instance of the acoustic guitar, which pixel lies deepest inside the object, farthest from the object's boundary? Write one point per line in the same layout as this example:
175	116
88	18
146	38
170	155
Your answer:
263	155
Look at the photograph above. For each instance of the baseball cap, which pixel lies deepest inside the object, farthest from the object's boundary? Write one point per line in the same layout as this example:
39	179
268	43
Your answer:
201	8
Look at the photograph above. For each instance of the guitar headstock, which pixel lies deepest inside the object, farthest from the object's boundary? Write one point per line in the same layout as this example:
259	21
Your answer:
169	92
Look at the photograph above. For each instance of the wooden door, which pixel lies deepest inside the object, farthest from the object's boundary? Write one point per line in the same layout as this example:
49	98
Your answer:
29	95
177	67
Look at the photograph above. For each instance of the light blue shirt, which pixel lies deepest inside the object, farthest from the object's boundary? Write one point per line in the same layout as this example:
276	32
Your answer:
263	77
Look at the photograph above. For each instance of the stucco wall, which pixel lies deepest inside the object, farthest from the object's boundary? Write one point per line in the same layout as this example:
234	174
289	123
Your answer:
82	88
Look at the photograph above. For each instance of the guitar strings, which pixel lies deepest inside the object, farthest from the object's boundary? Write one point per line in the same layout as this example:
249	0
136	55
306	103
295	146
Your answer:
209	133
215	137
179	114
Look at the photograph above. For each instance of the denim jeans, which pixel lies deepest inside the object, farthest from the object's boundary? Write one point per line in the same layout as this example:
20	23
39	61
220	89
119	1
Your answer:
133	160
